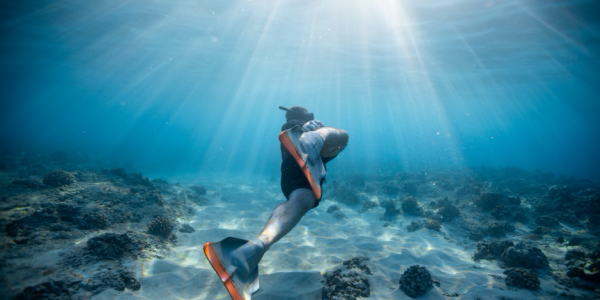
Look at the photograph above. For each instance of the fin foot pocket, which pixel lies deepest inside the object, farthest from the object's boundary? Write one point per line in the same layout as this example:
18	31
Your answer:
219	255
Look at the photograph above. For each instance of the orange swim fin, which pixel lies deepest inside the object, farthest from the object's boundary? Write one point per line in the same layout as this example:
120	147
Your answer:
219	257
306	147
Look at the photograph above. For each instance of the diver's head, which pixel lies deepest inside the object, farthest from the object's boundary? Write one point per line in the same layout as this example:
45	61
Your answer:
298	113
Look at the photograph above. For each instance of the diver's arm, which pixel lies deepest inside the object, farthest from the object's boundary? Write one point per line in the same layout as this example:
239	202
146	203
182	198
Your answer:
312	125
336	140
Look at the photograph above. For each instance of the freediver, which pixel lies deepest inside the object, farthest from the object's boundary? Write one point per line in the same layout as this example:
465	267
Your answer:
306	146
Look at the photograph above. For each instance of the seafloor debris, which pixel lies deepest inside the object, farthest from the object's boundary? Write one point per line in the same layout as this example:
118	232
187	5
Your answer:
367	205
55	290
541	230
155	198
359	262
118	280
391	211
357	180
433	225
414	226
120	172
138	179
161	226
197	199
410	187
510	212
159	181
333	208
574	254
583	265
110	245
186	228
28	183
349	282
492	250
335	211
521	279
342	193
547	221
488	201
93	220
198	189
415	281
57	178
499	228
448	212
339	215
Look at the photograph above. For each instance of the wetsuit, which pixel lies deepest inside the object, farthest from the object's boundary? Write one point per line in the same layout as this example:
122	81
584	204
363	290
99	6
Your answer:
292	177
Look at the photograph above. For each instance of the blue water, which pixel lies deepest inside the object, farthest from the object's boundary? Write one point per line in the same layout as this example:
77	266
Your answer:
193	86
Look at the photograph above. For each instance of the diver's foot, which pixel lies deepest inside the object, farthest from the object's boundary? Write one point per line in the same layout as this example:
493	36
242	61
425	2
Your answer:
246	258
306	147
240	282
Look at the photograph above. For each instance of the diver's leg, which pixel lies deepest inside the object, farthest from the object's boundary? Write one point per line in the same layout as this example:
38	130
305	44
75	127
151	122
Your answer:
286	215
283	218
335	140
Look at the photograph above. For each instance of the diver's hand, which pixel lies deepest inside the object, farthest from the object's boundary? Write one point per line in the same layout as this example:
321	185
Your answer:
312	125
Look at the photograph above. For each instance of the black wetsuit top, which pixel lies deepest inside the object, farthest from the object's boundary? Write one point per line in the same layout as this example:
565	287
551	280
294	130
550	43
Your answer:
292	177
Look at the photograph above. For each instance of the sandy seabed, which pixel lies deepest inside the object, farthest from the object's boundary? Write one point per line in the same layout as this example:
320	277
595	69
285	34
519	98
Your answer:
110	234
292	268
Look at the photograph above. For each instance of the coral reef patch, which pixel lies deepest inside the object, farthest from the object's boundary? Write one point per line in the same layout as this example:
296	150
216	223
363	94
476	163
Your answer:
523	255
96	216
416	281
349	281
521	279
58	178
161	226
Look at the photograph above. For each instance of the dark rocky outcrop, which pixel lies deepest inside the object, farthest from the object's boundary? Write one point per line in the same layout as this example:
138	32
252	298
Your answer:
522	279
348	282
160	226
391	211
367	205
28	183
525	256
137	179
198	189
359	262
547	221
93	220
499	228
414	226
54	290
186	228
58	178
118	280
110	246
488	201
119	172
510	212
416	281
432	224
333	208
449	212
410	206
492	250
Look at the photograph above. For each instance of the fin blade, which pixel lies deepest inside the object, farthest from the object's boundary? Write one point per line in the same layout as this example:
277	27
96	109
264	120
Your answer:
211	251
287	142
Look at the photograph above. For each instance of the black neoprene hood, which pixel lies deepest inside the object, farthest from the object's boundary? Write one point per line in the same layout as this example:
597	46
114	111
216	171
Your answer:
298	113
